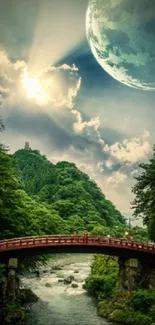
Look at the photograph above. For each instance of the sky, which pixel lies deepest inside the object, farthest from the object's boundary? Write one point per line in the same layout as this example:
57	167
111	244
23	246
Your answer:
54	94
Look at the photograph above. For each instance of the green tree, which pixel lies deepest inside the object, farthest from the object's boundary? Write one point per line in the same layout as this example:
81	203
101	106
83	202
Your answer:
144	190
20	214
9	195
67	190
102	280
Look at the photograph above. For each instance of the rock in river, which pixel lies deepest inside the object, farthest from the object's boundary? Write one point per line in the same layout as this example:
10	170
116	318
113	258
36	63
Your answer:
74	285
48	285
69	279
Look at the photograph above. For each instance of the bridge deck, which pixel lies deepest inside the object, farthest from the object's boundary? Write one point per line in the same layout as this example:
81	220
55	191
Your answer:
115	244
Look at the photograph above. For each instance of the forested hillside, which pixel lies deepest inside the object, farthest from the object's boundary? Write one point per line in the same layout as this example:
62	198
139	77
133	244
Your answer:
21	215
67	191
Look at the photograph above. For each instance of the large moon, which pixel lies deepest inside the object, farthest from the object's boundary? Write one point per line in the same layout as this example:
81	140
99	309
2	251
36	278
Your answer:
121	34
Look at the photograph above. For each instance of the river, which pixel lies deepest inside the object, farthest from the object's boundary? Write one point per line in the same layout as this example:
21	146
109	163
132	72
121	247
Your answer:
59	303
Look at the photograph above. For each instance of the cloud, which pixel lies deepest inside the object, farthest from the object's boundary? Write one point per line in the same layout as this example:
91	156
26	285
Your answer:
100	167
109	163
146	134
89	129
58	129
53	86
116	179
130	150
60	84
79	126
10	74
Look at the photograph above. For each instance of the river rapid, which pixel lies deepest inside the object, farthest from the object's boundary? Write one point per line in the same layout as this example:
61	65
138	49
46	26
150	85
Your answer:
60	303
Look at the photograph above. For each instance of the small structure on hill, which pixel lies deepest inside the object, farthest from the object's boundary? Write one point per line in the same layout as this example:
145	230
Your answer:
27	146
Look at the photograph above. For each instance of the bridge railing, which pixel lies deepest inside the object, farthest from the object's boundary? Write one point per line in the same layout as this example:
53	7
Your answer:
62	240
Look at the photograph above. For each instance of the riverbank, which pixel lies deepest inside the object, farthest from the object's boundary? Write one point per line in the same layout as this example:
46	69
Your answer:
124	307
136	308
13	312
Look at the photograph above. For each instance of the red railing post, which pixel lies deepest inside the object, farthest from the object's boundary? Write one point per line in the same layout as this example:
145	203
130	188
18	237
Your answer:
85	238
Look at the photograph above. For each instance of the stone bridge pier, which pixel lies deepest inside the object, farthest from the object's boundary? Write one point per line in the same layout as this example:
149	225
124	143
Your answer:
133	272
128	271
12	281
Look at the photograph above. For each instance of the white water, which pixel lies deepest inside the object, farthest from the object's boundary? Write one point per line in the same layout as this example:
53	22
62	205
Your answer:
60	304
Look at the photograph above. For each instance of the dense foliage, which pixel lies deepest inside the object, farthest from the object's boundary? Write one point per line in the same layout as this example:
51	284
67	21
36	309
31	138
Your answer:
42	198
123	307
68	191
135	308
102	281
144	190
21	215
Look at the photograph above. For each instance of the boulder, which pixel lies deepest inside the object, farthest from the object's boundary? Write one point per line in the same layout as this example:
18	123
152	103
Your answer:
74	285
56	267
69	279
48	285
28	296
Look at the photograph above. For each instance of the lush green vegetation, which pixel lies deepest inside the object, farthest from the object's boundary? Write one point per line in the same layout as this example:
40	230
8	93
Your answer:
144	191
38	197
123	307
135	308
68	193
102	281
21	215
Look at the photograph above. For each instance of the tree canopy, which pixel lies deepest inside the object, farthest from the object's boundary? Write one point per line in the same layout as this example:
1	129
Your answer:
65	189
144	190
21	215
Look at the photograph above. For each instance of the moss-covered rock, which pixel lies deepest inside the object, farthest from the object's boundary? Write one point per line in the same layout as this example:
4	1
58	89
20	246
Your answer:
28	296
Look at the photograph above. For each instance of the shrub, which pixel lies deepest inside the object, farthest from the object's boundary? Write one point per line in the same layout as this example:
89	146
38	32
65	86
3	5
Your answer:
142	300
152	312
132	318
100	287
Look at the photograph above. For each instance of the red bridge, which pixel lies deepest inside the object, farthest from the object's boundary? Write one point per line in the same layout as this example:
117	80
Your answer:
76	244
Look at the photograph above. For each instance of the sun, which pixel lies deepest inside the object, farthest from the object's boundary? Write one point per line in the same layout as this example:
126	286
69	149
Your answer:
33	88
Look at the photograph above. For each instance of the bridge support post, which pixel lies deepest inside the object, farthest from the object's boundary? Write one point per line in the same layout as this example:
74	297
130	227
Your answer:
12	282
127	275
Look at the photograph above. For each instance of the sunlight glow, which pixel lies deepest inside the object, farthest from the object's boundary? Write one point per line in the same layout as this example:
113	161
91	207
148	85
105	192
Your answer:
33	88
